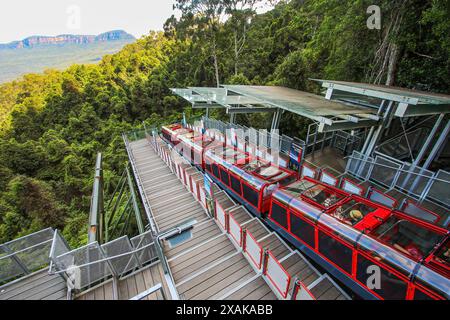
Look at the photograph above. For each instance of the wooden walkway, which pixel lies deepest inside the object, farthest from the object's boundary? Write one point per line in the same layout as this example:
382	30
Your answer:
37	286
130	286
207	264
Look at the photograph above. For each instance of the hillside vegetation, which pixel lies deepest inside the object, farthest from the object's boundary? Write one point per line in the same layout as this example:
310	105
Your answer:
53	124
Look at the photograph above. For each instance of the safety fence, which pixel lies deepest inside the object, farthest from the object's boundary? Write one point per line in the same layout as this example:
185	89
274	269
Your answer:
25	255
94	263
390	173
262	260
301	292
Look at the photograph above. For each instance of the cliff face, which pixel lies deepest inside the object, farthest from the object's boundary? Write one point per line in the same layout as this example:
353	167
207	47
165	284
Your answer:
67	39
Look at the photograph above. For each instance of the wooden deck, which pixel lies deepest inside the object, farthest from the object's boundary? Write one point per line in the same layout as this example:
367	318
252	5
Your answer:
207	265
130	286
37	286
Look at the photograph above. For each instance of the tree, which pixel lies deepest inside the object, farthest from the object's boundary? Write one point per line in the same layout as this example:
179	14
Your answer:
207	16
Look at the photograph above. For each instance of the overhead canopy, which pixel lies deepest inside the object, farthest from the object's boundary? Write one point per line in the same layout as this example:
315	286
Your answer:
331	115
410	102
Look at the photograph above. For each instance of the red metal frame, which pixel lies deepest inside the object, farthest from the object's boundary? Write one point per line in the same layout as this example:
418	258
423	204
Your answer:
230	216
310	168
384	194
283	294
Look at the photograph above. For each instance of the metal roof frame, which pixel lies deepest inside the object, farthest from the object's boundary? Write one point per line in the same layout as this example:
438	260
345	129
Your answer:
411	103
235	99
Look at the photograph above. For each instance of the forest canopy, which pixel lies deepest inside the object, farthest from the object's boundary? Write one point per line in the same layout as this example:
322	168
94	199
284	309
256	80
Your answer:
53	124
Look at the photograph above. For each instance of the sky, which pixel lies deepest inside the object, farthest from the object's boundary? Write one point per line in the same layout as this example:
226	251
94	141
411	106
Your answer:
23	18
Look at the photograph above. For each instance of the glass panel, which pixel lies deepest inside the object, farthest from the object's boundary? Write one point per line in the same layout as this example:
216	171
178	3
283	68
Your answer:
352	212
224	176
296	189
323	196
215	170
335	251
279	215
302	230
390	286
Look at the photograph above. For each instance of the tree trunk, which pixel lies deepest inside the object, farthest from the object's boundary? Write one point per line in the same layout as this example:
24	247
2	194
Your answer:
236	53
216	61
392	65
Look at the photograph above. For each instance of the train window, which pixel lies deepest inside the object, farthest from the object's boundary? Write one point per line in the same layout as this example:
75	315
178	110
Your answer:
215	170
235	184
224	176
302	230
389	287
250	195
208	167
279	215
323	196
336	251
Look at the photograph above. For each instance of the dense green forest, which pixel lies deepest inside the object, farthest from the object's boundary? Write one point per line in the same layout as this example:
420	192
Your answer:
53	124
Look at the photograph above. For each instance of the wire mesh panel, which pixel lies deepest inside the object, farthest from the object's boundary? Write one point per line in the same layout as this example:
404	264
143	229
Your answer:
25	255
414	180
359	166
384	171
277	275
88	263
440	189
144	247
253	249
125	261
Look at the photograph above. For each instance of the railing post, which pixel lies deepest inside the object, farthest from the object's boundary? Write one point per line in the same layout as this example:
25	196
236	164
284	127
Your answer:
265	260
244	238
295	289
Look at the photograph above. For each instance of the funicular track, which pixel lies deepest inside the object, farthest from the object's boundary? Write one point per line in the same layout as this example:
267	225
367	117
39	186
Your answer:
210	264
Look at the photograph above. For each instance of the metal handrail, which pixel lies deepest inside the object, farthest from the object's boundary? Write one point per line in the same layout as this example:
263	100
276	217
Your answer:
147	206
100	260
150	291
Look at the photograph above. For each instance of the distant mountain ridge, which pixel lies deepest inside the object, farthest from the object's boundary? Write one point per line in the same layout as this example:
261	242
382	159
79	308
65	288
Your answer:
35	41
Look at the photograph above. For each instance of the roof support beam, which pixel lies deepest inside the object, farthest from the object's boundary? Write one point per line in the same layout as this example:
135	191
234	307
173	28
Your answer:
345	125
250	110
407	110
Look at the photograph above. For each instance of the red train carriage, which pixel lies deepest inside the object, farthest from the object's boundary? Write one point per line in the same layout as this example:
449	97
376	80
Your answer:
171	132
250	179
349	235
353	238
